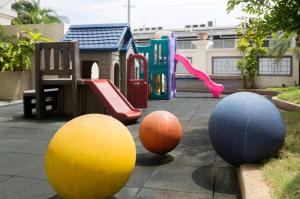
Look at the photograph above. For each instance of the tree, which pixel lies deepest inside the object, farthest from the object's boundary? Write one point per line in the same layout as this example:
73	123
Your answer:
29	12
273	17
250	44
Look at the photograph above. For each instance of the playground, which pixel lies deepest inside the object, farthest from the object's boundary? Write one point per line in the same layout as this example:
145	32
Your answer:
125	132
192	170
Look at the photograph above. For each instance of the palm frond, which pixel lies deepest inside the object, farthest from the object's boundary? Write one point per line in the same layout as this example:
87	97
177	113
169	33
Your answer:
282	43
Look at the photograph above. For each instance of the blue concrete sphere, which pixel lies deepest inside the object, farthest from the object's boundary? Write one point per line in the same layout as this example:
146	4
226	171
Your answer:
246	128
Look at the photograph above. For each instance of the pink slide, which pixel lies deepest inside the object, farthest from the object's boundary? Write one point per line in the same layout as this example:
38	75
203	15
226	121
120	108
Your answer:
113	100
216	89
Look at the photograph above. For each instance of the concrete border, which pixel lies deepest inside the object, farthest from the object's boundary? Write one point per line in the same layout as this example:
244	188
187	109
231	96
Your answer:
260	91
252	182
289	106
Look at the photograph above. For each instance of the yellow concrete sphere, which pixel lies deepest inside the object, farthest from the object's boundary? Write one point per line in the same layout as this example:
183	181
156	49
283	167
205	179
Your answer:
90	157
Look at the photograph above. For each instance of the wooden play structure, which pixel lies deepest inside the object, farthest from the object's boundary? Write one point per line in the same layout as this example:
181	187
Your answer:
58	66
63	74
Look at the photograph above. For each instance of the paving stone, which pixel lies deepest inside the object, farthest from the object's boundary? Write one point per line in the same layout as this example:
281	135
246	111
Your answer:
139	146
221	163
23	145
164	194
151	160
140	176
4	177
36	171
194	156
224	196
55	197
26	133
199	121
201	141
187	172
126	193
192	131
182	179
13	163
134	130
16	188
226	182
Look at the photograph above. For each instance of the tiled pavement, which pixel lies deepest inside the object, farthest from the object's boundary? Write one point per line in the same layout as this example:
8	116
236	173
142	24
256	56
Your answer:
191	171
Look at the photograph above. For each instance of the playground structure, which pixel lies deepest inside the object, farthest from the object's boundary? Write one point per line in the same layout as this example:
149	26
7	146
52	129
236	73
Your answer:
77	96
161	55
161	67
67	66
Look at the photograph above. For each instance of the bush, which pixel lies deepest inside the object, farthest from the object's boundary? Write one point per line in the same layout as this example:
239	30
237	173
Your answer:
16	52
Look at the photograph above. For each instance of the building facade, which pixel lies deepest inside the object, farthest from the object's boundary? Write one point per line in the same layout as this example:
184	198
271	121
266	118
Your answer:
6	14
213	50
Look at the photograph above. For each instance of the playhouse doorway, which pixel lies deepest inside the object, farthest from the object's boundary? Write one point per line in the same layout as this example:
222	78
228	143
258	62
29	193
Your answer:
90	70
117	75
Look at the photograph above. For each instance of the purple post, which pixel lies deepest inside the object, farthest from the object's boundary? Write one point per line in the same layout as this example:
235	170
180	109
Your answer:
171	71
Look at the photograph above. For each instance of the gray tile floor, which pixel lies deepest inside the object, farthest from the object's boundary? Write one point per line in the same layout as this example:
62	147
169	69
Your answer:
191	171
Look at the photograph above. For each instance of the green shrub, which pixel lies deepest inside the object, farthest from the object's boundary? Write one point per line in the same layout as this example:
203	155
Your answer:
16	52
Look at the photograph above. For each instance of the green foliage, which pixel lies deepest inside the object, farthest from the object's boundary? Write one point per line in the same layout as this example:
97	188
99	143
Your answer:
283	89
283	173
29	12
282	43
291	96
250	43
16	52
273	15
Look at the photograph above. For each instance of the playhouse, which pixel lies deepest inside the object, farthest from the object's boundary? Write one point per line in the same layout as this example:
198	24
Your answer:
107	45
66	67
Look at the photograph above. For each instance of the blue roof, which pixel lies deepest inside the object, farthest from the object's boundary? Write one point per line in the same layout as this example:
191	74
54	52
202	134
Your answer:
101	37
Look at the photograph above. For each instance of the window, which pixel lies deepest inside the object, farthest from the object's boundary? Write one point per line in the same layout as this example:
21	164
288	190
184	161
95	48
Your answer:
224	43
271	66
185	45
225	66
180	69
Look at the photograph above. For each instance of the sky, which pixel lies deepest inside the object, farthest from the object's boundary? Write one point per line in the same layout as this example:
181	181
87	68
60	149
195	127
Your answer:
145	13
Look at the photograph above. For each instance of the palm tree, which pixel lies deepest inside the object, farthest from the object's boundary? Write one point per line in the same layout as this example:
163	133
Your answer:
29	12
285	42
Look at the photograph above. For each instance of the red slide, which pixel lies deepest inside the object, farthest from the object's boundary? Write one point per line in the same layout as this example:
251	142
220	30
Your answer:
113	100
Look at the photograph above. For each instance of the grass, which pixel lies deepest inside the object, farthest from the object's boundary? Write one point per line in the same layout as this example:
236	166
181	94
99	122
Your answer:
282	89
283	173
291	96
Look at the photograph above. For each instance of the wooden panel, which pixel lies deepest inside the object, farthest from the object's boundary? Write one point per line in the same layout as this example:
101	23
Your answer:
56	58
56	44
57	82
38	85
47	52
66	57
56	72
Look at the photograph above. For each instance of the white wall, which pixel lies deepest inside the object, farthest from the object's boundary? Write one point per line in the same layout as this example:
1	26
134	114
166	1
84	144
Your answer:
202	59
6	14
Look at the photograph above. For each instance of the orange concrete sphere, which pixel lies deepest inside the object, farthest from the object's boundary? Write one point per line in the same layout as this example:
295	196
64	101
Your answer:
160	132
